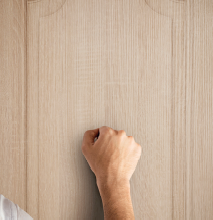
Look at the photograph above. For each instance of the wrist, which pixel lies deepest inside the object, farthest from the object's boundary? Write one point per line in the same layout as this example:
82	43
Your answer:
113	189
112	184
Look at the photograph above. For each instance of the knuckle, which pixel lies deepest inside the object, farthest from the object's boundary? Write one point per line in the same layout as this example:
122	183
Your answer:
131	138
104	128
107	130
121	132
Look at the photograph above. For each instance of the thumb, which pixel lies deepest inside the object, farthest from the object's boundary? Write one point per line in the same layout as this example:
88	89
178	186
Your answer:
89	136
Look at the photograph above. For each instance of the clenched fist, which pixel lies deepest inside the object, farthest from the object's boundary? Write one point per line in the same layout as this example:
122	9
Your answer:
113	157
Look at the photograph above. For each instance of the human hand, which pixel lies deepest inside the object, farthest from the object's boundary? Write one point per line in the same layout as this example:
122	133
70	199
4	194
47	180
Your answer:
113	157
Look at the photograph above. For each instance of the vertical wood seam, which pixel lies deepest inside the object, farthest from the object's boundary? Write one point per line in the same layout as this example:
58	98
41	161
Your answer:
25	89
172	121
38	114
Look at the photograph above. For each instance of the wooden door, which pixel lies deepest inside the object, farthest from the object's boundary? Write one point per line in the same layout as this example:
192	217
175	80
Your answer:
13	129
142	66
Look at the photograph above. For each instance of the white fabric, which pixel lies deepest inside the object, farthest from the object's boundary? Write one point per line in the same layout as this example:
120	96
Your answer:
11	211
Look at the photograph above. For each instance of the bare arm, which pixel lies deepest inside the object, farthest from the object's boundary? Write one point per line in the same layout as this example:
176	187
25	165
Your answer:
113	159
116	201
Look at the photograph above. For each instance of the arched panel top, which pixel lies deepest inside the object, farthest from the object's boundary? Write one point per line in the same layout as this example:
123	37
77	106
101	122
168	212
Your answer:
47	7
168	8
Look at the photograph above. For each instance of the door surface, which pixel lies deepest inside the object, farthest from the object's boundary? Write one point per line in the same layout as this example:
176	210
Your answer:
142	66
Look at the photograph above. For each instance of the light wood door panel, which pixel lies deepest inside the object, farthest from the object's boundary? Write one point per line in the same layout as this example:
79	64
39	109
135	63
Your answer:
143	66
199	112
13	101
102	63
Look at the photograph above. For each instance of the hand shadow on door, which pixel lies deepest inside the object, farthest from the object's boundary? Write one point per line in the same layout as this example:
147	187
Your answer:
88	196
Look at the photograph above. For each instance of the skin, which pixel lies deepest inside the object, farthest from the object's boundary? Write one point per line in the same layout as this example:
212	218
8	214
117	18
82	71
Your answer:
112	158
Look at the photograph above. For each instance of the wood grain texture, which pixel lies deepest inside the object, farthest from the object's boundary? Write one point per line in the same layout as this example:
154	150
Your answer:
199	99
142	66
106	63
13	101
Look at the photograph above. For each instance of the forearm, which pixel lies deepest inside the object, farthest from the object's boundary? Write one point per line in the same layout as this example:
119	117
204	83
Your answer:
116	201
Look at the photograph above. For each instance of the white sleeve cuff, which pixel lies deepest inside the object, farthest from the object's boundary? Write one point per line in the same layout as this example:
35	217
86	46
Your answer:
11	211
